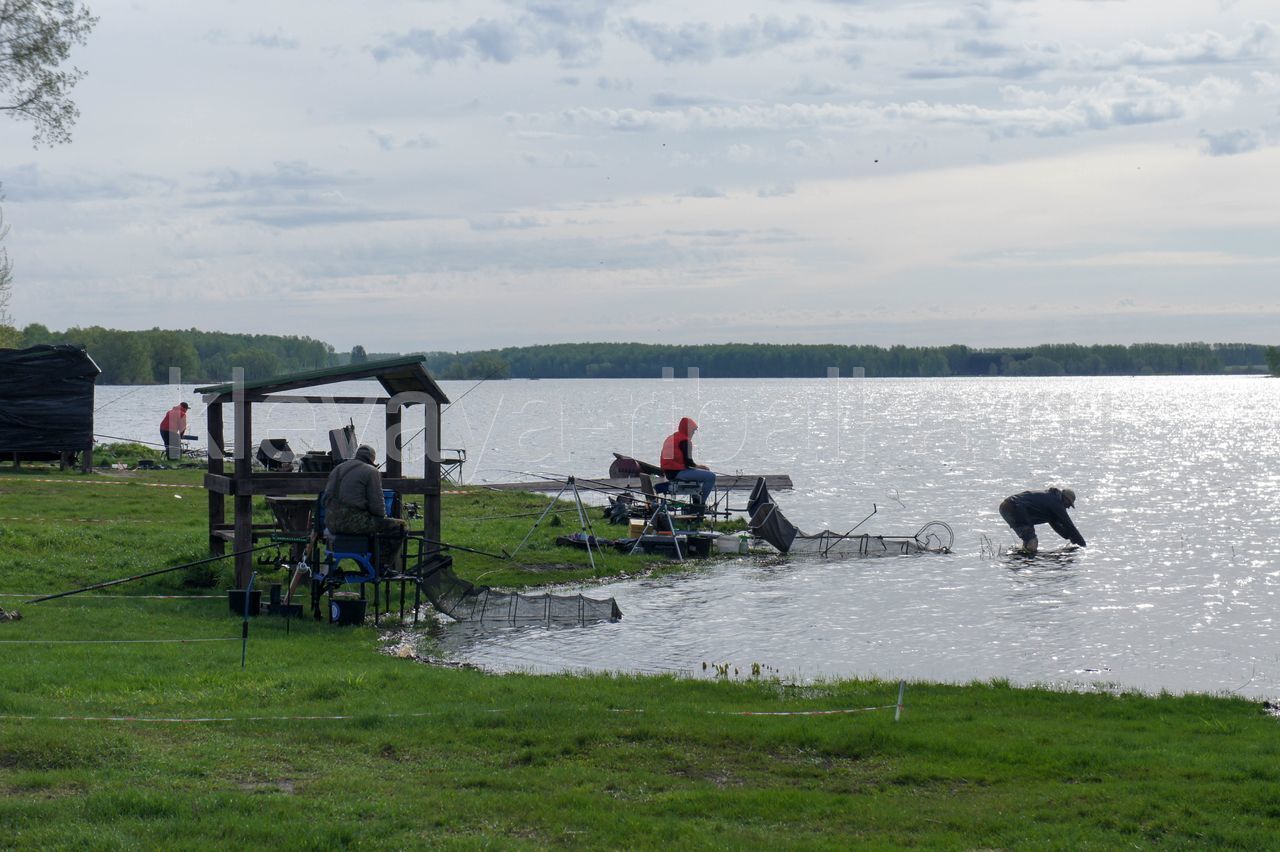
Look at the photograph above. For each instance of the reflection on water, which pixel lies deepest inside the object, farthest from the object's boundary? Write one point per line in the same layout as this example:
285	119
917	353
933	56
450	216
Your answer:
1177	481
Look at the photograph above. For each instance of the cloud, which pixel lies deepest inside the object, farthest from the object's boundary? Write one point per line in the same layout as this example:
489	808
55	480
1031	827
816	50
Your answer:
1230	142
807	88
30	183
563	160
1266	83
1034	59
1114	102
285	174
702	192
676	99
388	141
777	191
1257	43
1121	101
274	42
571	30
506	223
308	215
700	42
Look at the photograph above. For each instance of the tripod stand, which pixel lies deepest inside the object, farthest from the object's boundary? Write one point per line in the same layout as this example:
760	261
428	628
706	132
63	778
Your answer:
584	522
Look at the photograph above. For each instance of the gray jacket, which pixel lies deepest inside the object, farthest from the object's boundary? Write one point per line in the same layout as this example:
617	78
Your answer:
355	484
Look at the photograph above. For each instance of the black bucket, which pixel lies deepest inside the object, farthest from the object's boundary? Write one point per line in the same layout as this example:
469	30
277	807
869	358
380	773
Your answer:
347	611
235	600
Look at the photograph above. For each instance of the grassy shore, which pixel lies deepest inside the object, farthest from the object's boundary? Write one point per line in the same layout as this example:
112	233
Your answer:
425	755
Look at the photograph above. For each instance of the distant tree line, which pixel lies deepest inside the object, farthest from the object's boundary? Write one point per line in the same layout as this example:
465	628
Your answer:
753	360
144	357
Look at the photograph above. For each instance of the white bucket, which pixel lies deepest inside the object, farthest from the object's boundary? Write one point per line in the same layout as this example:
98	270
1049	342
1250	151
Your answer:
731	544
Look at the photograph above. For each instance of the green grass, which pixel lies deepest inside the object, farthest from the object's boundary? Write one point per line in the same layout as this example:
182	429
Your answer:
439	756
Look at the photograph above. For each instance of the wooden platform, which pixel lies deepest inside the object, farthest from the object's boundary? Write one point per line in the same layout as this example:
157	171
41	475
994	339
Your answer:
775	481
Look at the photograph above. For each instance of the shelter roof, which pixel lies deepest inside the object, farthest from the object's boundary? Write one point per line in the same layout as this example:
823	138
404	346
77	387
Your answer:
407	374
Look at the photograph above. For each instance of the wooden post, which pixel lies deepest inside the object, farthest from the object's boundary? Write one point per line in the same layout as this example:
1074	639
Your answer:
391	420
86	462
431	471
217	467
243	499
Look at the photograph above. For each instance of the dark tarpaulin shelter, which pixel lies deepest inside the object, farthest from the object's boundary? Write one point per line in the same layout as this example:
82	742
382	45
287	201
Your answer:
46	403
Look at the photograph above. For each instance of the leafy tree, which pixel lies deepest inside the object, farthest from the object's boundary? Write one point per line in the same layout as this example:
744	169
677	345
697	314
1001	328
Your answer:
172	349
35	333
258	363
358	355
36	37
1273	360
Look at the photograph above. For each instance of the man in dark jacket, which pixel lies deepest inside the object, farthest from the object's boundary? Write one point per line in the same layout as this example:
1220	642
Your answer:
1023	511
353	502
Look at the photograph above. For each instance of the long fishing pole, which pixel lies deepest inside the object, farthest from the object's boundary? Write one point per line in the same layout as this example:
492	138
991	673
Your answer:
124	396
494	375
874	509
608	489
447	546
130	440
151	573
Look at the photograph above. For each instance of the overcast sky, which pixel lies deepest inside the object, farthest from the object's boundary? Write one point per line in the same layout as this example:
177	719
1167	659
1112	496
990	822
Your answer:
459	175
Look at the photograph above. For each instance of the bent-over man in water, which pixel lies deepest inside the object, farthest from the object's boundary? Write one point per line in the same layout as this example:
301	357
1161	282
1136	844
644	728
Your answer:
1023	511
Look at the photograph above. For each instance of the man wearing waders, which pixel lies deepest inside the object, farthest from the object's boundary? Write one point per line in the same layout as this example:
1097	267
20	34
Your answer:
1023	511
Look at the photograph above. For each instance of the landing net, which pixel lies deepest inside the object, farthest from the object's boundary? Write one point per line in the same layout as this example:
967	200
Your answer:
768	523
465	601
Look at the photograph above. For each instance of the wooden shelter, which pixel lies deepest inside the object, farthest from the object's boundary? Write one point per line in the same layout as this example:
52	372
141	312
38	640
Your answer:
406	382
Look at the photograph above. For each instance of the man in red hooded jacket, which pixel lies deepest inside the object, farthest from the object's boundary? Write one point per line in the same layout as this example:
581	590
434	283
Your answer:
677	458
172	428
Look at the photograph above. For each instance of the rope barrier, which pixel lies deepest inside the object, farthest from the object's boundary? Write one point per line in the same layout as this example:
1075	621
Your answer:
122	597
114	641
897	708
88	520
203	719
348	717
112	482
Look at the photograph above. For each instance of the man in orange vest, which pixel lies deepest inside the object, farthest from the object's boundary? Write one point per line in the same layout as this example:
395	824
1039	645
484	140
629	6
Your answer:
677	459
172	428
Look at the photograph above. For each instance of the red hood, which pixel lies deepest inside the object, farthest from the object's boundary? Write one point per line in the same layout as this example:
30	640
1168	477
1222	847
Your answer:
686	426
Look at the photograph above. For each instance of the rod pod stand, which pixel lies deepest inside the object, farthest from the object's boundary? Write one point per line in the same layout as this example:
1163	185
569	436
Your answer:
583	521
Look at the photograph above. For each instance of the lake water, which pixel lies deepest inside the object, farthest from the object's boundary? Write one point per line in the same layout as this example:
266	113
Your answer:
1177	481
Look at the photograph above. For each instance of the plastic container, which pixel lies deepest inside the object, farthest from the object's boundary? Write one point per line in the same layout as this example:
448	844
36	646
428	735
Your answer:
731	544
347	612
235	601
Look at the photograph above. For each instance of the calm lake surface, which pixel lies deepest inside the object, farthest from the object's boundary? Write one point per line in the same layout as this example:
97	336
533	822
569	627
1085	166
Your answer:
1178	483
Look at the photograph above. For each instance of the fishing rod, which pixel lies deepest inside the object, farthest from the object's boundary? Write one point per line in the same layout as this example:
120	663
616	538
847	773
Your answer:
151	573
447	546
874	509
492	375
117	399
608	489
130	440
